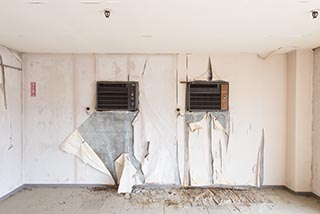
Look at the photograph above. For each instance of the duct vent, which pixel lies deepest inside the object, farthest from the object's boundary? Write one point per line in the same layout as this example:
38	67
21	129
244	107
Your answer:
121	96
208	96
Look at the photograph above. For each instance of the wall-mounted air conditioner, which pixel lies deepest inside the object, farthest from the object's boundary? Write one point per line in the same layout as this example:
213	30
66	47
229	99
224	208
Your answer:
207	96
121	96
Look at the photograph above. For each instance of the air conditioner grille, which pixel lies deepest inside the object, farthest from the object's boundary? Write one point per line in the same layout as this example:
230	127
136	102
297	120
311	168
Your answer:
207	96
117	96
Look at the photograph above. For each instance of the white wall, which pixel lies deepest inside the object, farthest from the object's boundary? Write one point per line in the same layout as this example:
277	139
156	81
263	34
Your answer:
316	125
66	85
273	94
299	120
52	115
257	101
291	111
10	126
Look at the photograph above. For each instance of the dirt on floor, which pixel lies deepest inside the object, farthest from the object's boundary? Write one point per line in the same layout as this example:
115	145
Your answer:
198	196
193	196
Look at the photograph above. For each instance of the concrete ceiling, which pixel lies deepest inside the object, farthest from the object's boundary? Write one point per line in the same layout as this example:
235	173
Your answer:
162	26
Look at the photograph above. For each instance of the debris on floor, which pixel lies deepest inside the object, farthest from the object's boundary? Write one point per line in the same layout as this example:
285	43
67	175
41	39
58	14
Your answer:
195	196
157	199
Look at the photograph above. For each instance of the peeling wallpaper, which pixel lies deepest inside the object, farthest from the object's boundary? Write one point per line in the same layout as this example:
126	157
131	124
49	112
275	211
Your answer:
10	125
163	145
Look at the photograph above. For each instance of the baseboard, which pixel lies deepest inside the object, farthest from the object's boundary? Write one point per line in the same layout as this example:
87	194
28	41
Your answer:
273	187
34	185
308	194
12	193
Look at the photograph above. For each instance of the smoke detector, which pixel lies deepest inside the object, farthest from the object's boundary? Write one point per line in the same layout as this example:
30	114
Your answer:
107	13
315	13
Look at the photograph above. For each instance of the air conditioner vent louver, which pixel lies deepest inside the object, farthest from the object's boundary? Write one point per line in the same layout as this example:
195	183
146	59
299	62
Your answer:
117	96
207	96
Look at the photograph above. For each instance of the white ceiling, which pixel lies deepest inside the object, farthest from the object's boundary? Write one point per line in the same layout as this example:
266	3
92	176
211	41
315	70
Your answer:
162	26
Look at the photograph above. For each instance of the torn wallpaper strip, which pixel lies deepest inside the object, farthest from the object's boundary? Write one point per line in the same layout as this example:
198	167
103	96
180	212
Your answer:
221	165
129	176
3	98
76	145
109	135
148	139
199	148
136	148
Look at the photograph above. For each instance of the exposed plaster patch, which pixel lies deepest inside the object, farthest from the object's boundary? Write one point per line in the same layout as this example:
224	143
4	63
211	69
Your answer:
110	134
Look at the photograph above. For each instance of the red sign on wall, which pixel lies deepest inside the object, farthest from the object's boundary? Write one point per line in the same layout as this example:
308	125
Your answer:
33	89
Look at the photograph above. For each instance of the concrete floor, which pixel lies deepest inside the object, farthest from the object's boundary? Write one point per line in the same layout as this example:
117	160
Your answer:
43	200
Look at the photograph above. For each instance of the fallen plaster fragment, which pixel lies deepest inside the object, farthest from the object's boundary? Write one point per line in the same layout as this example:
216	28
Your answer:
76	145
